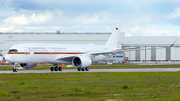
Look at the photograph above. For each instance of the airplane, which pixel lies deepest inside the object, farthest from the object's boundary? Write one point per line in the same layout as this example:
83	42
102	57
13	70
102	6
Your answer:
81	56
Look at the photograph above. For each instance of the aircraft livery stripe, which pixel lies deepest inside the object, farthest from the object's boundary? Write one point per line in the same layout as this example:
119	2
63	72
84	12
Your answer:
18	53
21	53
56	53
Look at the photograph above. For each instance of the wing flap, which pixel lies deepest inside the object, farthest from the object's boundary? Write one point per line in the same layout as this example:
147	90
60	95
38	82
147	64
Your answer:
65	57
59	57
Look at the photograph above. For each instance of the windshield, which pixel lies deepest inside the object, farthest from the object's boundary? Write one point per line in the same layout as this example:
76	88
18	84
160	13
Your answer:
13	51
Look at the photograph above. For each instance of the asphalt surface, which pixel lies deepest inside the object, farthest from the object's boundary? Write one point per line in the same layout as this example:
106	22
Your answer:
98	70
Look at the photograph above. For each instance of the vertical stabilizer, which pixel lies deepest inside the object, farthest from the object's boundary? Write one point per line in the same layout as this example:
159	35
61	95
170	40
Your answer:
114	37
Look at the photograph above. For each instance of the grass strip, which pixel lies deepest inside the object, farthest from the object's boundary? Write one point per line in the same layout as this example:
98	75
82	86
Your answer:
147	86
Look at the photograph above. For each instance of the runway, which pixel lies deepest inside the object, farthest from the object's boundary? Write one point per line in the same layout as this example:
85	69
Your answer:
97	70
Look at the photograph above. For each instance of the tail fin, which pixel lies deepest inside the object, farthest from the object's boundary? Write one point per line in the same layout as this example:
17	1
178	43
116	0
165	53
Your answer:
113	39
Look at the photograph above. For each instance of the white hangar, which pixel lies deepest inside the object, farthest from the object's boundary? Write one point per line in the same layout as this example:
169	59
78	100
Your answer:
163	54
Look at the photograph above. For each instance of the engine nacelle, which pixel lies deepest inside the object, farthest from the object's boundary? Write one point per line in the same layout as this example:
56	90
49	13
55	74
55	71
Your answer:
81	61
28	65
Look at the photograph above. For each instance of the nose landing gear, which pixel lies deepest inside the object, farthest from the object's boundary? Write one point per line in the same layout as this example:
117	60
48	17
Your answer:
15	69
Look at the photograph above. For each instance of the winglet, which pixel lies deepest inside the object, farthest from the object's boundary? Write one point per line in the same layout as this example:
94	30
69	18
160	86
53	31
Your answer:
173	43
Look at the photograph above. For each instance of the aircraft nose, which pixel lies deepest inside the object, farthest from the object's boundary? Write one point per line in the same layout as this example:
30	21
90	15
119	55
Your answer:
7	57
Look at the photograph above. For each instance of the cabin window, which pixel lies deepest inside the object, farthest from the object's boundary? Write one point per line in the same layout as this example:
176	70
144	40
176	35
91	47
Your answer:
13	51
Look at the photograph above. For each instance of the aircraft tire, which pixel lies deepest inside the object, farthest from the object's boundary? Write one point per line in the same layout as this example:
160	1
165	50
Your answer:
87	68
56	68
60	69
52	68
15	70
79	69
83	69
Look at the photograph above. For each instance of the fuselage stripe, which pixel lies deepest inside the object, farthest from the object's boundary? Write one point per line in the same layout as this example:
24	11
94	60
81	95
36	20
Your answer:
58	53
20	53
39	53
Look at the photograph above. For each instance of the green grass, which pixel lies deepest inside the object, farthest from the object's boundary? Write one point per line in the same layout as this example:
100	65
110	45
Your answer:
147	86
124	66
99	66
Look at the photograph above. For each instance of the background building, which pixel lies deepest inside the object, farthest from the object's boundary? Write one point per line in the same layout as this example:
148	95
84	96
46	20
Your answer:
163	54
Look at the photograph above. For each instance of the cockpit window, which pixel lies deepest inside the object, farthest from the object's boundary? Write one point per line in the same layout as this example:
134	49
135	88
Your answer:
13	51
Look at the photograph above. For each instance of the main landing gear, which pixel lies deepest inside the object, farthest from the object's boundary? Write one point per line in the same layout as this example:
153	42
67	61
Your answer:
83	69
15	69
56	68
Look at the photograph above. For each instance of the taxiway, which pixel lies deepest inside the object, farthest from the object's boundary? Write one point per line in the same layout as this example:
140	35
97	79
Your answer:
98	70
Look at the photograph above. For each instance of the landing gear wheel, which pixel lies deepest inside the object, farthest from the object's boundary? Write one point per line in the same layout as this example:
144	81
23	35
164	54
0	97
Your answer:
60	69
83	69
56	68
79	69
15	70
52	69
87	68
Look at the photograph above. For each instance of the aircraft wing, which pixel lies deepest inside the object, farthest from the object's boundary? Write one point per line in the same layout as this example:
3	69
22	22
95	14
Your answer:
134	49
98	53
65	57
70	57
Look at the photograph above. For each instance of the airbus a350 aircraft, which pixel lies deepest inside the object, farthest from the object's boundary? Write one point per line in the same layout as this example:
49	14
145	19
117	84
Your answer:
81	56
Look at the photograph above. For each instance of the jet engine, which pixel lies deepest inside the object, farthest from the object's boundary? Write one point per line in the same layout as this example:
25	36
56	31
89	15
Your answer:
28	65
81	61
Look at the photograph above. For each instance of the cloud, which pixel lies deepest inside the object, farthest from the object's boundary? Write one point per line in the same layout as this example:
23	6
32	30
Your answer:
128	35
174	14
151	31
6	29
43	28
17	20
40	18
27	20
18	30
138	17
135	29
95	18
178	33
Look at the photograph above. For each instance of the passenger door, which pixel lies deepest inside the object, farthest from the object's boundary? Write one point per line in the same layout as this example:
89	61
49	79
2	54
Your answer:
25	51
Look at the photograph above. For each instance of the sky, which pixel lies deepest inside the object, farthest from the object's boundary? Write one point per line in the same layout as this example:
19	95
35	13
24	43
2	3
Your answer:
138	17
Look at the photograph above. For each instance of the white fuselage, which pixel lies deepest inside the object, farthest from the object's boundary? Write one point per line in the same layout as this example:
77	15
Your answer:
54	53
